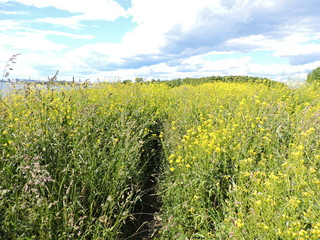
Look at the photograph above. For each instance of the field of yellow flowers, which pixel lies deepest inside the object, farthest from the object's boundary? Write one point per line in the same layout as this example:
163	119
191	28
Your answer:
228	160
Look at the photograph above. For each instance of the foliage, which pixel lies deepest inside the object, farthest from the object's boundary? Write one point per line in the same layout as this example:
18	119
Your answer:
314	76
242	163
241	79
126	81
138	79
71	161
237	159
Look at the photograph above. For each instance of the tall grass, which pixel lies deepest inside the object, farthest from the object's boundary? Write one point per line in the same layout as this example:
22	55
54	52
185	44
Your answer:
235	161
245	166
70	163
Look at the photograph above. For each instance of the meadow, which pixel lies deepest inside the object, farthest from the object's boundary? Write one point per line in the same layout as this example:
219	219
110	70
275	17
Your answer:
217	160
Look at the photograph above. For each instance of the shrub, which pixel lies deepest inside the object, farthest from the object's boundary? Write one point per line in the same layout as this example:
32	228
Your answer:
314	75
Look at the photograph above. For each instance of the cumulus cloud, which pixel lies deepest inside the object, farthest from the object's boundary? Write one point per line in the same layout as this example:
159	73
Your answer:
65	34
215	24
176	36
30	41
108	10
169	30
304	58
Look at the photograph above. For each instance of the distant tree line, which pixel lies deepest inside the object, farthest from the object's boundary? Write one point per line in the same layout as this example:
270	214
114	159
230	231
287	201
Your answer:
235	79
196	81
314	76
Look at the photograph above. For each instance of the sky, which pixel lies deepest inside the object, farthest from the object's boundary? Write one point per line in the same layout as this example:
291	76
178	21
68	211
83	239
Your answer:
109	40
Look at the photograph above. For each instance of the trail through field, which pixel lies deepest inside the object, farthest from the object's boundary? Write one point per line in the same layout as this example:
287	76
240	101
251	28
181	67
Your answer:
145	222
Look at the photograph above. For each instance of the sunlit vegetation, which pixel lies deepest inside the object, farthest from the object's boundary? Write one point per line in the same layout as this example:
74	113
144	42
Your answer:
236	159
314	76
229	79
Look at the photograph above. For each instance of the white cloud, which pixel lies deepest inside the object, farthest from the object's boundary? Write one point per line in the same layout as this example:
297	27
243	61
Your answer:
89	10
30	41
13	12
244	66
108	10
292	49
182	29
6	25
175	36
65	34
70	22
105	9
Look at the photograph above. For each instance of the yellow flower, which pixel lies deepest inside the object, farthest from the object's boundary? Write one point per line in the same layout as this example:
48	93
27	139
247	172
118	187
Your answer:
265	227
217	149
191	210
238	223
312	170
195	197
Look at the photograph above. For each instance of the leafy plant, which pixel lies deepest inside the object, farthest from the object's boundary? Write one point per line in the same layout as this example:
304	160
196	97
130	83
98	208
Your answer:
314	76
232	158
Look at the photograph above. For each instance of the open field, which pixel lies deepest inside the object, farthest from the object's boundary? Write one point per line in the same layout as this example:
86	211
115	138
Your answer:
212	161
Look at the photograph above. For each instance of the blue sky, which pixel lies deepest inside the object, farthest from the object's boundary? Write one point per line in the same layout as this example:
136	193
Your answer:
116	40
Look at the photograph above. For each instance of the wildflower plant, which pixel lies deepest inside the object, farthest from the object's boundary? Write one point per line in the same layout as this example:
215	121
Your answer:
228	160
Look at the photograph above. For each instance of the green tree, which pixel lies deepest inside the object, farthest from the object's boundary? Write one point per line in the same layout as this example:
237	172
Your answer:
138	79
126	81
314	76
